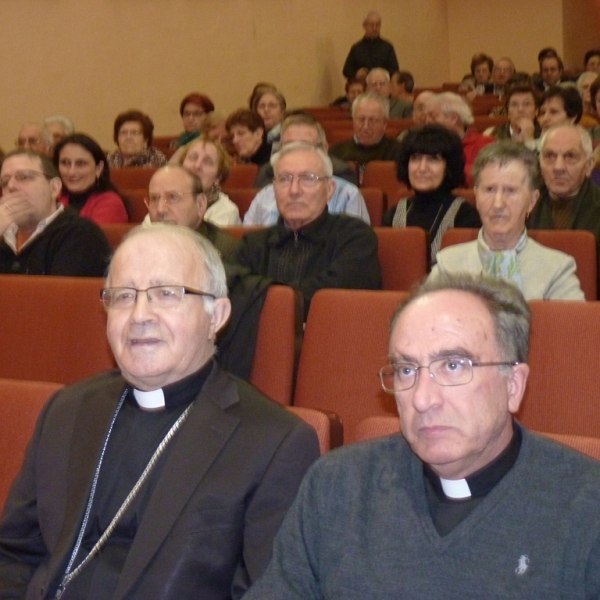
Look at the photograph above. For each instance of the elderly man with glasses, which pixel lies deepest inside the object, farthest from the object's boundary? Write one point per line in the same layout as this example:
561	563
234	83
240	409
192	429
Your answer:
309	248
465	503
167	478
39	236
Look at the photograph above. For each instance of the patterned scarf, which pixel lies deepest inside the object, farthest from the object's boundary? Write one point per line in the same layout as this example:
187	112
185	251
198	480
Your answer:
502	264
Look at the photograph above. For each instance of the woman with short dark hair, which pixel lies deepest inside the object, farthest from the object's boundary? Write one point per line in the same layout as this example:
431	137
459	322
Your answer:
431	162
132	133
194	109
247	132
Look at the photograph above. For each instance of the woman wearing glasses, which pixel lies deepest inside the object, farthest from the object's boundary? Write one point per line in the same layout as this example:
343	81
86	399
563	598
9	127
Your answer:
194	109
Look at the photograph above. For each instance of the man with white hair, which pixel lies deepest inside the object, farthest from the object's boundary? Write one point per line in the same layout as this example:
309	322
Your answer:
453	112
35	137
59	126
379	82
309	248
167	478
371	51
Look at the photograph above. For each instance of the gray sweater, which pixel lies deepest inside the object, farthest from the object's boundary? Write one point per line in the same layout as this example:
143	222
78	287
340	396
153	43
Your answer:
360	529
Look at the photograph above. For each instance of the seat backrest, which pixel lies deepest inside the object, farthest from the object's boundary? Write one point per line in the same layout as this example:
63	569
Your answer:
328	426
402	255
239	231
241	176
562	389
131	178
374	427
382	174
53	328
115	232
586	445
345	344
242	198
581	245
136	207
278	343
375	202
20	405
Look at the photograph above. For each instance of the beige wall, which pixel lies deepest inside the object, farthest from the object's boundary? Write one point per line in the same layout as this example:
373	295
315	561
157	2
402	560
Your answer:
581	26
91	59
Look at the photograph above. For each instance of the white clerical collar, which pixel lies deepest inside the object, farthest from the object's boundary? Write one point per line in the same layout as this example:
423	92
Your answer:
153	400
456	489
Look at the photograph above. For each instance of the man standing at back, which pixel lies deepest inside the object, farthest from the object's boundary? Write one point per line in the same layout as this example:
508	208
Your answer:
371	51
168	478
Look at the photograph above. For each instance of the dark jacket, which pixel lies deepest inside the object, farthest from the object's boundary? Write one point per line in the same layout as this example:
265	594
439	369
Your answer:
226	244
370	53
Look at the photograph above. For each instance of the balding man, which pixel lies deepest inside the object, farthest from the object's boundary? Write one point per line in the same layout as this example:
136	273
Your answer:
453	112
379	82
371	51
167	478
503	70
35	137
466	503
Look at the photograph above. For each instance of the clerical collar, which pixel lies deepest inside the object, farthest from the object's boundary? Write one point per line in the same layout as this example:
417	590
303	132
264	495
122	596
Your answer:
174	394
480	483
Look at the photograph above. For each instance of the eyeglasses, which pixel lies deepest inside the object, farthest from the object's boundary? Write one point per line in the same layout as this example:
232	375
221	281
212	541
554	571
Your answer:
159	296
450	371
305	180
170	198
30	141
187	114
23	176
132	132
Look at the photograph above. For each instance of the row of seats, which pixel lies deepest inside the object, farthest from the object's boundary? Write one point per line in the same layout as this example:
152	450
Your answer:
59	324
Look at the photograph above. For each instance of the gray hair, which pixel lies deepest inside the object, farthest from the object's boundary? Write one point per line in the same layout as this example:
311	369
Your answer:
48	168
64	121
307	120
297	146
506	151
504	301
585	75
584	137
45	133
375	71
451	103
215	281
372	97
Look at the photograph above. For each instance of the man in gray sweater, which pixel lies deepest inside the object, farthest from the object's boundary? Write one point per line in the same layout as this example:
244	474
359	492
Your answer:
465	503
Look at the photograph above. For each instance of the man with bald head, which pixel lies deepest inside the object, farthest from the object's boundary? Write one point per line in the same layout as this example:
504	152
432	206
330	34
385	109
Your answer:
35	137
175	195
167	478
371	51
465	502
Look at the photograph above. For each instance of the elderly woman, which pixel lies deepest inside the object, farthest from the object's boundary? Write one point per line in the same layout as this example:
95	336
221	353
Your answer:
431	163
247	132
507	179
210	161
560	106
584	85
133	135
86	185
194	109
270	105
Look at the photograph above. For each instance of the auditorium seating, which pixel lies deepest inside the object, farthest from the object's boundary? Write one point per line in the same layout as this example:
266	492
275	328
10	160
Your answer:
403	256
131	178
382	174
53	328
579	244
20	405
328	426
135	203
115	232
242	198
345	345
241	175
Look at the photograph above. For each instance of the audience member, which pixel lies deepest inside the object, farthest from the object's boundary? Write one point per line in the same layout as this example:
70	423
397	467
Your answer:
584	85
86	185
270	105
370	114
522	126
209	160
595	100
503	70
482	66
432	164
214	127
372	51
560	106
551	70
132	133
419	108
176	196
302	127
353	89
247	131
200	520
591	61
507	181
259	88
40	237
194	109
402	85
569	199
378	82
466	502
35	137
59	126
453	112
309	248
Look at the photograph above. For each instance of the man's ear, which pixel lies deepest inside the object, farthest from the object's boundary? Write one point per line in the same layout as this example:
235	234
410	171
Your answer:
220	316
517	381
